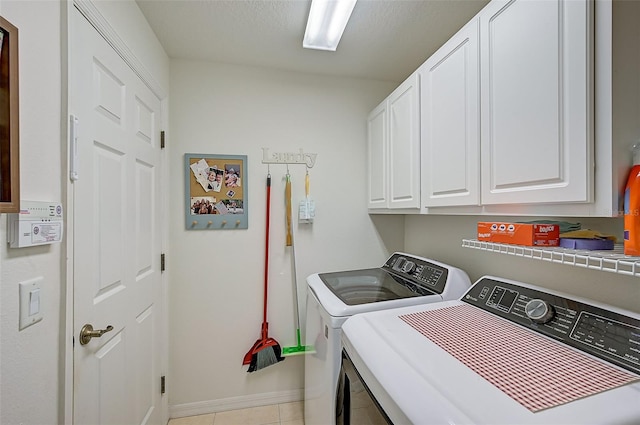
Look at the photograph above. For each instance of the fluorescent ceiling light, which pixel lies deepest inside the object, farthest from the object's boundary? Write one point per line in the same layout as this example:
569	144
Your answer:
326	23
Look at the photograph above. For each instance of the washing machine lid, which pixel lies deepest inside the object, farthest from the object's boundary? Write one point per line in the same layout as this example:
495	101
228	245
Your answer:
404	279
366	286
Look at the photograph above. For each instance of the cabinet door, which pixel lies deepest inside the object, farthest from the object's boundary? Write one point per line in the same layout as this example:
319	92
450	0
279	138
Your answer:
535	96
404	145
377	157
450	122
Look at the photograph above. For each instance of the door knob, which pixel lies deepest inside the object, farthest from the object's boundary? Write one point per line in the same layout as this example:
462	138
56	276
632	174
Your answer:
87	332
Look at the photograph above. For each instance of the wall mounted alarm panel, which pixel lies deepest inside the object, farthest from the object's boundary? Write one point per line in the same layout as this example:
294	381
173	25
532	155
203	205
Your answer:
37	223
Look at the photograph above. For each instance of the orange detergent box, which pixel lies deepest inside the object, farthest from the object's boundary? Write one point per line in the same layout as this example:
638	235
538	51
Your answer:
530	234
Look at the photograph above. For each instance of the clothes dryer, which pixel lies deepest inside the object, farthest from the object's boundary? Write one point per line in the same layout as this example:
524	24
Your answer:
506	353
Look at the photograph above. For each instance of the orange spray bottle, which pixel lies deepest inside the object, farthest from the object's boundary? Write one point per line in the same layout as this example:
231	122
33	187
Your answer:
632	207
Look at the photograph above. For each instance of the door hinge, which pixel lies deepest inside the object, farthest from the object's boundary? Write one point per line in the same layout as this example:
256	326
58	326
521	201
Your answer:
162	139
163	385
73	148
162	262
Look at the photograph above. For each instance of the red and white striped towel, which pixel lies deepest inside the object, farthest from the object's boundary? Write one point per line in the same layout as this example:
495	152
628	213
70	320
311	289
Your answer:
532	370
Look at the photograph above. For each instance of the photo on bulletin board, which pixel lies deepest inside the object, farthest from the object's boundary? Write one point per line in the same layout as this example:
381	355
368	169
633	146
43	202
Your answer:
216	192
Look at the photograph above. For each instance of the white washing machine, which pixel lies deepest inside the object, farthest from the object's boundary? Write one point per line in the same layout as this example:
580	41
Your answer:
505	353
332	298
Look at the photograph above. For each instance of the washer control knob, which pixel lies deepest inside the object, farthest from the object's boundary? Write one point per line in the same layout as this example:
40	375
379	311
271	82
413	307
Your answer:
539	311
408	266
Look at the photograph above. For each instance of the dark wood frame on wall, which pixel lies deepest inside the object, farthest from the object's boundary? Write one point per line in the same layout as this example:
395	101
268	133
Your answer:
9	121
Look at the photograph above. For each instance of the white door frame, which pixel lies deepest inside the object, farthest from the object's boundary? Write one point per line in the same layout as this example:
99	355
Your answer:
92	13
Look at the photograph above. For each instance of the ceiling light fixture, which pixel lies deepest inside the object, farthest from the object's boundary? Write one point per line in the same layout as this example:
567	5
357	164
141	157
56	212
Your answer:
326	23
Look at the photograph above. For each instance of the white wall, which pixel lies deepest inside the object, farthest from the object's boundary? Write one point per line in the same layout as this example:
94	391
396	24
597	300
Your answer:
30	377
440	238
217	275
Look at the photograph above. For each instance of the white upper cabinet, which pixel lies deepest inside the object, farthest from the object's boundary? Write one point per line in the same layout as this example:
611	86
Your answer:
536	98
530	109
404	145
394	150
377	157
450	122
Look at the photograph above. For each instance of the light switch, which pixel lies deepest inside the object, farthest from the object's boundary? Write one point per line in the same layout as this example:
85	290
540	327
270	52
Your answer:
34	302
30	300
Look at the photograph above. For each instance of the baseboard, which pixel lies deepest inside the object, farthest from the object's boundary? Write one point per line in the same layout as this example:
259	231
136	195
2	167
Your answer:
233	403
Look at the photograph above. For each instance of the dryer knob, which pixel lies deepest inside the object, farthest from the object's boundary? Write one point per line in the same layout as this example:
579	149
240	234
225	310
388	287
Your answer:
539	311
408	266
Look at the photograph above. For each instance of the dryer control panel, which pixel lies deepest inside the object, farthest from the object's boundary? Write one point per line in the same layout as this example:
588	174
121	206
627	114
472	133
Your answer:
600	332
424	276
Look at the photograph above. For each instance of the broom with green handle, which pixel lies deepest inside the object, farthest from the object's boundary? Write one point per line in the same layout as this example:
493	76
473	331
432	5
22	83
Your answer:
299	348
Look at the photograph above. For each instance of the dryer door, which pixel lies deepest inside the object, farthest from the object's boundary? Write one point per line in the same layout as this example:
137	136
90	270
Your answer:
354	402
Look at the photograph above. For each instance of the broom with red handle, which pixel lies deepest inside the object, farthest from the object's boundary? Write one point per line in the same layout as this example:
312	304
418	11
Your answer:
266	351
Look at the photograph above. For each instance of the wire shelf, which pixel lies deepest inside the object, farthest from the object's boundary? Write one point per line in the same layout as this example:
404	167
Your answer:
609	261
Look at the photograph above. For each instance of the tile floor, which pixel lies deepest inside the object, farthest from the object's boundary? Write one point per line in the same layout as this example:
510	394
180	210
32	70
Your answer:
276	414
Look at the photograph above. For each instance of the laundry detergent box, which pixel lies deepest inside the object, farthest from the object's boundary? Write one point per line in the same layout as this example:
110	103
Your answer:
530	234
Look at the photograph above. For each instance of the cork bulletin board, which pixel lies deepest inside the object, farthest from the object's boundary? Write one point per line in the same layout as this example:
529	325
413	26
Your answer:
216	192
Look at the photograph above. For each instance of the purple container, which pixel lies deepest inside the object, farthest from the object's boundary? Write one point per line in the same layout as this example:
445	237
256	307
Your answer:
590	244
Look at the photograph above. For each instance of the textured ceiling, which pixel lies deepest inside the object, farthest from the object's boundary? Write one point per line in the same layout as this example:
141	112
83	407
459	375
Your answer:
384	39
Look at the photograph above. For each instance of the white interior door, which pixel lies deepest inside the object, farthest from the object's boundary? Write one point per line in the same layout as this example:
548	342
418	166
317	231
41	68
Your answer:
116	236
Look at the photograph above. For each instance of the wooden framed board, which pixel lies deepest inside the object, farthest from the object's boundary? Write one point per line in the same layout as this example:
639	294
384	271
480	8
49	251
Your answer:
9	120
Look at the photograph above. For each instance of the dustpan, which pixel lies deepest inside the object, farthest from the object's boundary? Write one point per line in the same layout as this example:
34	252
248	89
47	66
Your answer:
265	351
